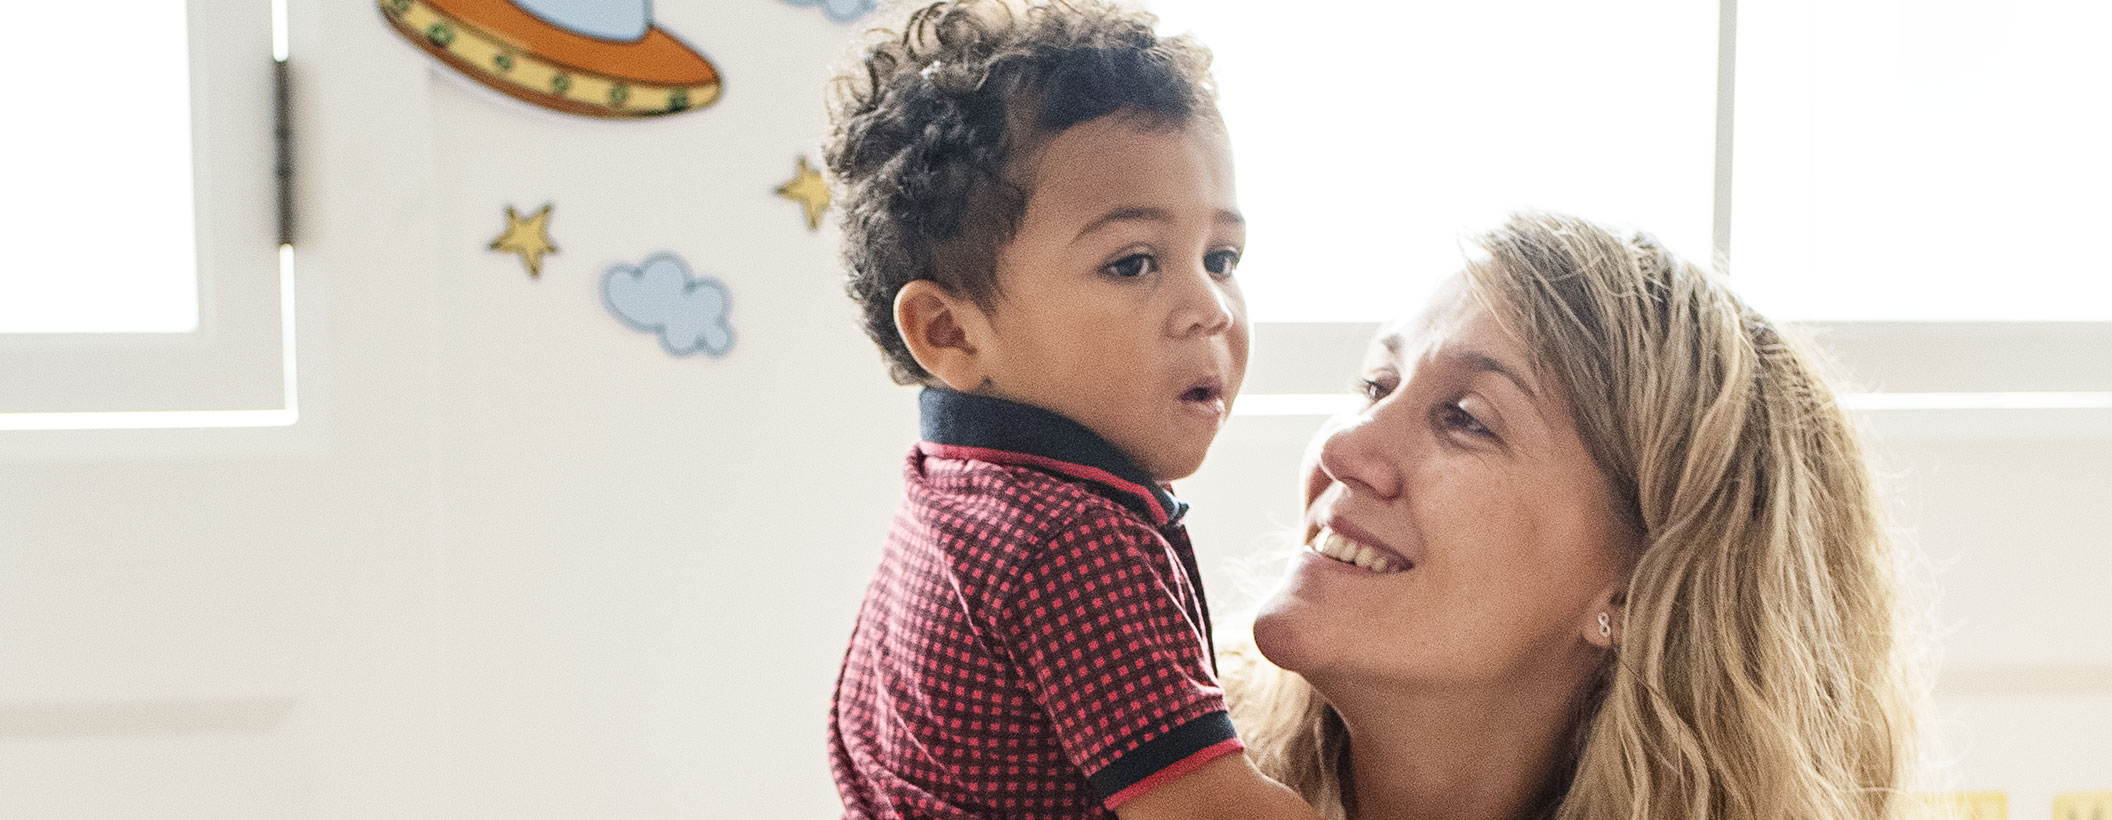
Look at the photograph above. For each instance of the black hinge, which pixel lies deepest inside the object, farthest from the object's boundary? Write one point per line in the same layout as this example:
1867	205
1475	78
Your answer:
282	141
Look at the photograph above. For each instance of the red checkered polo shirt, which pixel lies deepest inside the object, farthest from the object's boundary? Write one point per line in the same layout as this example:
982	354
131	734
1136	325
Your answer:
1035	642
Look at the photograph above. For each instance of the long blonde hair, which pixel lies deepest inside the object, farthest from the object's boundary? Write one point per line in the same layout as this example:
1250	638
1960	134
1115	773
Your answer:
1760	671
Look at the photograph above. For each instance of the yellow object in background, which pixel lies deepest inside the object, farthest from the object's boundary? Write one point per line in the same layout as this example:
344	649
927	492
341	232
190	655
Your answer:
528	236
810	190
2083	806
1977	805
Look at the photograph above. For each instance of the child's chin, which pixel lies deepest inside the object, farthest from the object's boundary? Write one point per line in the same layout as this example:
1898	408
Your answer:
1175	467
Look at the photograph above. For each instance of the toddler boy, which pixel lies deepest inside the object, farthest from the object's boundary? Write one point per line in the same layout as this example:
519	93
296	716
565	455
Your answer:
1041	229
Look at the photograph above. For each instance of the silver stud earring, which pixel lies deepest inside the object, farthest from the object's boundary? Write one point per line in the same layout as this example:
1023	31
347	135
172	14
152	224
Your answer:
1605	626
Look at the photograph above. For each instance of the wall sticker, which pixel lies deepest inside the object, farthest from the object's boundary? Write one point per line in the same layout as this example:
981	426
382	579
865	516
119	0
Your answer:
598	58
528	236
841	11
809	190
660	296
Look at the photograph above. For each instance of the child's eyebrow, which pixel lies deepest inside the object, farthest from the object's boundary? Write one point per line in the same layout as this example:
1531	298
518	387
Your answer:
1151	214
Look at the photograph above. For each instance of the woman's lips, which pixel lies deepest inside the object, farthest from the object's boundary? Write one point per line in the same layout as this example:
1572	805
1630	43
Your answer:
1345	549
1339	523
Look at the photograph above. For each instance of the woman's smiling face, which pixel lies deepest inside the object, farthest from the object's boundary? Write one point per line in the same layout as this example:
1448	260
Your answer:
1480	535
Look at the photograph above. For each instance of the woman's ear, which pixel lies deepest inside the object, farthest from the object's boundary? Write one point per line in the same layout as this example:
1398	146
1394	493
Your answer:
1603	624
941	331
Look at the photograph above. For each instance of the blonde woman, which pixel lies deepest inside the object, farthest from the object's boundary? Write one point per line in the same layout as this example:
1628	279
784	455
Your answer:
1599	545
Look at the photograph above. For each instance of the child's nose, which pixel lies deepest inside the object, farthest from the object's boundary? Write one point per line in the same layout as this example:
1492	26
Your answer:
1207	306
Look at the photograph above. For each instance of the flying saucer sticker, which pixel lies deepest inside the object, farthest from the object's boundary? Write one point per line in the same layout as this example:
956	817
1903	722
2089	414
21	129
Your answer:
809	190
841	11
528	236
661	297
596	58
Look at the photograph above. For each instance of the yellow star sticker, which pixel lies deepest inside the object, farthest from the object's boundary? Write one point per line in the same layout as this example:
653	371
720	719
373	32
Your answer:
528	237
810	191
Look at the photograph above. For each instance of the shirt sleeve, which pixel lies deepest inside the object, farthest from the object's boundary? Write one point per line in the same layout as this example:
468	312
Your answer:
1100	628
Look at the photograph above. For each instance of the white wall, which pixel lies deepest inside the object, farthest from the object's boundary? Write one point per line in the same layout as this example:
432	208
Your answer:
516	562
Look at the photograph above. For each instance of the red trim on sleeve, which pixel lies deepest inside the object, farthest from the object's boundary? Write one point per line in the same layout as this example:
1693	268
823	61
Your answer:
1174	772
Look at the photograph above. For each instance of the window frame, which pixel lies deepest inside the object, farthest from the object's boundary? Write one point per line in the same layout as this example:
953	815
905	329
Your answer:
1903	379
237	368
1968	379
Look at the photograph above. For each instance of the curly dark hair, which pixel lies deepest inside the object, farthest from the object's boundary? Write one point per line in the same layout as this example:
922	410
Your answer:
927	124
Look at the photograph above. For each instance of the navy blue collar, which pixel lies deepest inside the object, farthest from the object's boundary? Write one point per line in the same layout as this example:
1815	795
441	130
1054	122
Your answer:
1007	432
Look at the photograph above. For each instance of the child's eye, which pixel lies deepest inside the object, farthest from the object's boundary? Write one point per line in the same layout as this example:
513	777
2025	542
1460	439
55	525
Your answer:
1132	266
1221	263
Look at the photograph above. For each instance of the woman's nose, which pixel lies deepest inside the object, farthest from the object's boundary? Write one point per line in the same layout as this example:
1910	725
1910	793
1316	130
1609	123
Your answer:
1316	479
1356	454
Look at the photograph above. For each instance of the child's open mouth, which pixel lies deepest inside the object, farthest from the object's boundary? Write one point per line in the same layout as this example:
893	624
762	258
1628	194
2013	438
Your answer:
1206	398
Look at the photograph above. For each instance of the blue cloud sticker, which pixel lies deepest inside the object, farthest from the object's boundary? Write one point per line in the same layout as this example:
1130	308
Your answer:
660	296
841	11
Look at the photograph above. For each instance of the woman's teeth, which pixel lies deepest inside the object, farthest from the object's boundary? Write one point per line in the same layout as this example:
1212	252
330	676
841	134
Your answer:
1333	545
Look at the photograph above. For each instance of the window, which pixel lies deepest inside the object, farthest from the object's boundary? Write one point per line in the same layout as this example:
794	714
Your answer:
1924	161
1370	137
169	315
1907	178
103	172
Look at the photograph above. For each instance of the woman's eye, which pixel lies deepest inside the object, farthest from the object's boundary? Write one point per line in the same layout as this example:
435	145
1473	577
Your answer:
1221	263
1132	266
1457	417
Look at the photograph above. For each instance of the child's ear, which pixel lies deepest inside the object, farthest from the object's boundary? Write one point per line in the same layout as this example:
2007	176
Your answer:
940	329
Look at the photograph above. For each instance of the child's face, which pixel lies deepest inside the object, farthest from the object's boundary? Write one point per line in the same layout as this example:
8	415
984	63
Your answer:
1117	305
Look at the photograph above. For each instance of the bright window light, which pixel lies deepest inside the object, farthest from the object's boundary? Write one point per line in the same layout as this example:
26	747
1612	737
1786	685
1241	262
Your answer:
285	415
98	211
1371	138
1924	161
1329	404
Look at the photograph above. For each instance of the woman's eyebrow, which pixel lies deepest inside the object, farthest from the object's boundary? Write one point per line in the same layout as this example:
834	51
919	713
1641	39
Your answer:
1470	360
1475	361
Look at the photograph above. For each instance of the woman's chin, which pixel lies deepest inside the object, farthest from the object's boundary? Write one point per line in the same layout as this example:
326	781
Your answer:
1315	626
1286	632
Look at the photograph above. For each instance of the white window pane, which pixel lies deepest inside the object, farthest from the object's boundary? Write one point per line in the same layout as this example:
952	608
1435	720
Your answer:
1899	159
98	211
1369	142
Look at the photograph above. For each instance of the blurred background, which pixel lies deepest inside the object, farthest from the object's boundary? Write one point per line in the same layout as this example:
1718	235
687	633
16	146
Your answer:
530	464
